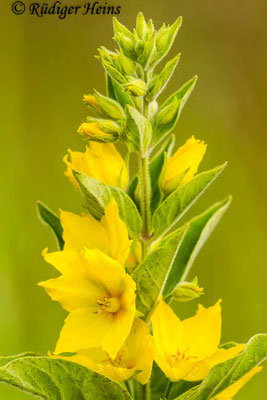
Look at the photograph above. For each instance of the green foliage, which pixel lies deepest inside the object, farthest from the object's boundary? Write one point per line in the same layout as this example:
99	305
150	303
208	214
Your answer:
54	379
198	232
162	79
138	130
177	203
97	196
52	221
227	373
151	275
170	111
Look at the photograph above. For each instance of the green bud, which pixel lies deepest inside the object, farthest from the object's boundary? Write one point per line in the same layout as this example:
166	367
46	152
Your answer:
110	107
162	37
113	72
136	87
126	63
153	108
167	114
127	44
141	26
187	291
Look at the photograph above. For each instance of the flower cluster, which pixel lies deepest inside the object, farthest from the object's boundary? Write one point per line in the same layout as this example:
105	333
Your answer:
123	263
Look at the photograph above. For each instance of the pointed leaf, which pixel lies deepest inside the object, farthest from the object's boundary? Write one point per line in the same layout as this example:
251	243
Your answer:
54	379
227	373
52	221
6	360
151	275
178	202
163	78
178	99
97	195
197	233
138	130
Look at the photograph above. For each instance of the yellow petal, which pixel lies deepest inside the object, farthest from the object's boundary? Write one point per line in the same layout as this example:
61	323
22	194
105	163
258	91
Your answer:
232	390
90	326
183	165
116	232
135	256
135	355
202	333
138	352
100	161
74	289
83	231
63	261
167	330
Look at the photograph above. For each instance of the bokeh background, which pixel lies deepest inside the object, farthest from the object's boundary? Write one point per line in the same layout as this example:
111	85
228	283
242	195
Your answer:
46	66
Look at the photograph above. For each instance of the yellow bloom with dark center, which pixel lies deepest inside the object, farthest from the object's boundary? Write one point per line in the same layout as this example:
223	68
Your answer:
183	165
189	349
100	161
109	235
135	355
232	390
99	296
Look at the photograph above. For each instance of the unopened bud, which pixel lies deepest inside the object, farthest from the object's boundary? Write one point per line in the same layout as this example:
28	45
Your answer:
168	113
100	130
104	105
141	26
161	37
136	87
187	291
126	64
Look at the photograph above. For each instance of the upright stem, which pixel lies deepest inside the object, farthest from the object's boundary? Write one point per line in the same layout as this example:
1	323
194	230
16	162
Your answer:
146	392
145	201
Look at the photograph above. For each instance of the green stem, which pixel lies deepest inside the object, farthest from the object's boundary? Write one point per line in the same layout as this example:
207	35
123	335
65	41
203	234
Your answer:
146	392
145	200
168	390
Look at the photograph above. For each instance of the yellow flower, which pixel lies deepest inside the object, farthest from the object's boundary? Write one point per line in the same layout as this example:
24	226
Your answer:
232	390
100	161
183	165
189	349
100	299
136	354
110	235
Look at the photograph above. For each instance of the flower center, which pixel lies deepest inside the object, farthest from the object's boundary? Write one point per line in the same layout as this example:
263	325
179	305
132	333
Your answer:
108	304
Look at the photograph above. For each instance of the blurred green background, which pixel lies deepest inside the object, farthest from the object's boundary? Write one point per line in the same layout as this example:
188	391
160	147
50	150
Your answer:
47	65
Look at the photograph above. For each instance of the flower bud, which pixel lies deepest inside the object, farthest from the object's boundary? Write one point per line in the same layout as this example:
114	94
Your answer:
105	106
168	114
141	26
162	37
187	291
136	87
126	64
100	130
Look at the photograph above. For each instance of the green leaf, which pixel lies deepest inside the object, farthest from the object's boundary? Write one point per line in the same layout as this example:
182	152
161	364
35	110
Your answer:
225	374
197	233
52	221
54	379
170	111
138	130
178	202
6	360
97	195
163	78
151	275
165	39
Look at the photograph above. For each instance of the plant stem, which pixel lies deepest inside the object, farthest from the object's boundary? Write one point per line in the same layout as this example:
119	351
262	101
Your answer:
168	390
146	392
145	201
